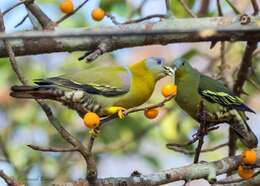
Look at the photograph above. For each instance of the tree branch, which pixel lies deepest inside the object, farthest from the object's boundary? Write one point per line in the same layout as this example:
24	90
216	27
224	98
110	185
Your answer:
43	19
8	180
138	34
208	171
255	7
237	88
203	8
188	10
72	13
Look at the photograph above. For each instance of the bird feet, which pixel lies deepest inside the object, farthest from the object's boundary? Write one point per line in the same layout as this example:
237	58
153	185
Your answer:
116	110
195	137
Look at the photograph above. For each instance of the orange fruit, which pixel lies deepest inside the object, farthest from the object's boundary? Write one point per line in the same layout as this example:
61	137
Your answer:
98	14
169	90
245	173
151	113
248	157
67	6
91	120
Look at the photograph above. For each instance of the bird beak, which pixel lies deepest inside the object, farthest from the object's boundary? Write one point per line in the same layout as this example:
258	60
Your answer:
169	71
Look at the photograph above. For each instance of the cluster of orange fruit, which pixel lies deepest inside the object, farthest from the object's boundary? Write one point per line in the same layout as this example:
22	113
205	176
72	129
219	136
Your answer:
247	162
67	7
167	91
92	120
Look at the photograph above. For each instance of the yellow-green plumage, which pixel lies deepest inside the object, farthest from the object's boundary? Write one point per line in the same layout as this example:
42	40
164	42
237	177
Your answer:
219	102
104	90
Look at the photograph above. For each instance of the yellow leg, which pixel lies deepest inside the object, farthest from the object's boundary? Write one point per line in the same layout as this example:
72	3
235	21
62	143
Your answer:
116	110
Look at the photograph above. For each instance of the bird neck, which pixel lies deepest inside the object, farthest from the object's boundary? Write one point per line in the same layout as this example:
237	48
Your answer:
142	81
188	97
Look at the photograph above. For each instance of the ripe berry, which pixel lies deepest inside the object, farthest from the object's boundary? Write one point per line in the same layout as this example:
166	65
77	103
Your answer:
67	6
151	113
169	90
98	14
91	120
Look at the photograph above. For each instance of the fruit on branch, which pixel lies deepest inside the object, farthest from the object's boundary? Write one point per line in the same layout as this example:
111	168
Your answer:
67	6
151	113
105	90
245	172
91	120
98	14
169	90
248	157
220	104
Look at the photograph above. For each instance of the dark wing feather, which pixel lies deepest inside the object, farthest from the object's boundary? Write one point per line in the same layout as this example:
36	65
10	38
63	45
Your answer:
106	81
216	92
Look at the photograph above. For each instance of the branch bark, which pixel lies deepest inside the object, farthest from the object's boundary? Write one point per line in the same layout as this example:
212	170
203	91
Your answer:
132	35
208	171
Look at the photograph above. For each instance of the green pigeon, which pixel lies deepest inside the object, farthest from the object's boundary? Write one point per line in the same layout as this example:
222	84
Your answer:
220	104
105	90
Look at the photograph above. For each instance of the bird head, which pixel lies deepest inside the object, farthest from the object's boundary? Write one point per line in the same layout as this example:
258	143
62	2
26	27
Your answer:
181	67
157	67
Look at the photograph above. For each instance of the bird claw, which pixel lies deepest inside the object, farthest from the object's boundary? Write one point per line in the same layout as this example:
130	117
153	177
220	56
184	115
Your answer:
121	113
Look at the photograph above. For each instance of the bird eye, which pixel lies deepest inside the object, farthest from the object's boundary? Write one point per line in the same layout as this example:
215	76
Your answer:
158	61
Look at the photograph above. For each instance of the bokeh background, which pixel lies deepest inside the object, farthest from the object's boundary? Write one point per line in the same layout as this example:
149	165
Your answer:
134	143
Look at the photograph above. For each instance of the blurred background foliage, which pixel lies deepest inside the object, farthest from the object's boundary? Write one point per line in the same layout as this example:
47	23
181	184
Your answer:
134	143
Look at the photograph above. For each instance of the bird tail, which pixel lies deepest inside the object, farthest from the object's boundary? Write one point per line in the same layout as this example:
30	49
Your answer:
36	92
243	131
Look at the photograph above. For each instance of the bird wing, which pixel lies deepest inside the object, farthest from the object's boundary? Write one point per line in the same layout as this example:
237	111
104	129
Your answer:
106	81
216	92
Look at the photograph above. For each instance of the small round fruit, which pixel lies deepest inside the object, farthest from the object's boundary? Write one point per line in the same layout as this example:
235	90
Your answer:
91	120
67	6
98	14
169	90
245	173
248	157
151	113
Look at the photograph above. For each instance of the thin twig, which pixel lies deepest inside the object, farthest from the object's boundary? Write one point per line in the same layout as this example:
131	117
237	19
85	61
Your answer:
145	18
203	8
237	88
15	5
113	18
104	120
168	8
234	8
189	152
43	19
160	104
202	131
53	149
188	10
195	138
255	7
22	21
220	13
71	14
9	180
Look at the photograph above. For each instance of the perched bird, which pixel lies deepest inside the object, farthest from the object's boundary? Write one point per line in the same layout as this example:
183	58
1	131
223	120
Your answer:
105	90
220	104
